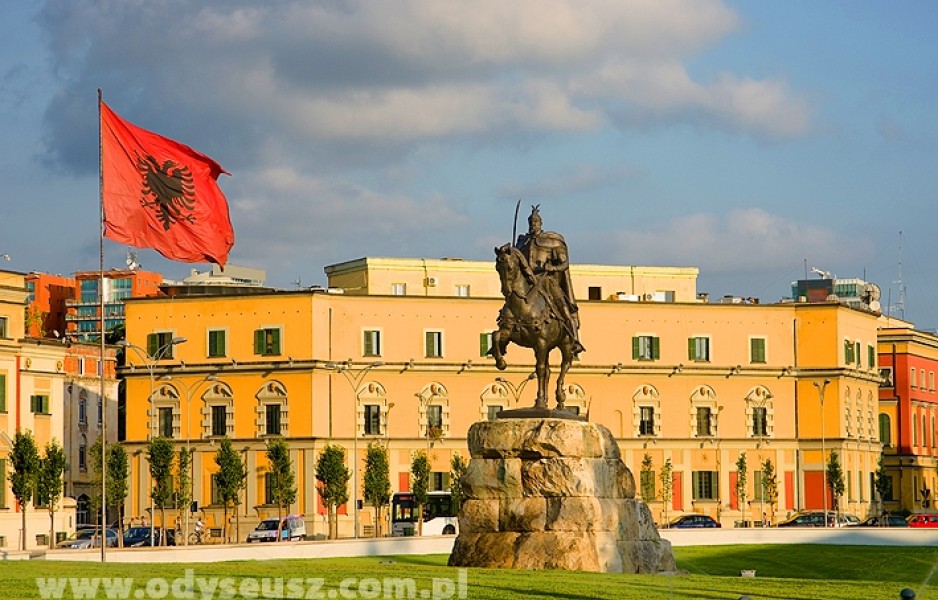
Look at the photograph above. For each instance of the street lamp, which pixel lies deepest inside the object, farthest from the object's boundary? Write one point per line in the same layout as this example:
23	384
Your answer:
150	364
354	378
516	390
821	386
190	390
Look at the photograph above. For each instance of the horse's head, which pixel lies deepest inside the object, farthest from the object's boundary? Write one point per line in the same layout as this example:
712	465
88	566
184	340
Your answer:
512	269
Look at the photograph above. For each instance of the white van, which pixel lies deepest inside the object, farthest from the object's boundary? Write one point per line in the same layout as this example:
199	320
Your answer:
292	528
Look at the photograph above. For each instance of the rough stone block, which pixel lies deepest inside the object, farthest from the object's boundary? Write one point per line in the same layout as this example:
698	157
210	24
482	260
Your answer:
523	514
479	516
492	478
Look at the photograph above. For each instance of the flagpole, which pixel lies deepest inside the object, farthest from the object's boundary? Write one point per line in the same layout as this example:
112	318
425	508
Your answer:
101	362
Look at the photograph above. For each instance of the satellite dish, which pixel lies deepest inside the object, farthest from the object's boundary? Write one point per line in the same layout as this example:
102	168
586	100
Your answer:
132	262
875	306
871	293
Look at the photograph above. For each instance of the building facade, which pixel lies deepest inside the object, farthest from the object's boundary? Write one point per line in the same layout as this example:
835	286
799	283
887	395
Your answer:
909	406
676	381
32	376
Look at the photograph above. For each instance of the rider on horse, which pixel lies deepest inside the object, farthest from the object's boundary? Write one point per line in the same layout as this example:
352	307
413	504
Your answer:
546	254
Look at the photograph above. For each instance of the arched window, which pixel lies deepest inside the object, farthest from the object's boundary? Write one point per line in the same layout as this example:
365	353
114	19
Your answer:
434	411
704	412
646	411
272	416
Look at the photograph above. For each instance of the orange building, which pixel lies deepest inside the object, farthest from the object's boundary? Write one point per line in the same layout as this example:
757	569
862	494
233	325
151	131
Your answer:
394	352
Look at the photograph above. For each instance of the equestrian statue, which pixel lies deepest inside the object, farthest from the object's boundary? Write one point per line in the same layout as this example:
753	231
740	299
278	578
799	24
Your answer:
540	311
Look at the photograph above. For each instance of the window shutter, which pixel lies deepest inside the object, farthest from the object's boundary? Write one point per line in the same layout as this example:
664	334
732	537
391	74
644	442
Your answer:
276	341
258	341
714	485
856	353
368	347
691	348
153	344
635	342
695	483
3	479
484	344
655	348
3	404
429	345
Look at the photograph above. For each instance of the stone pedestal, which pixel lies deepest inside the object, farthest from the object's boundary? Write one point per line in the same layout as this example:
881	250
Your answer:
553	494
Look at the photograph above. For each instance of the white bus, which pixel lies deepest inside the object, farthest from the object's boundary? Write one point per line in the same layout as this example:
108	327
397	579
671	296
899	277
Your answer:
439	514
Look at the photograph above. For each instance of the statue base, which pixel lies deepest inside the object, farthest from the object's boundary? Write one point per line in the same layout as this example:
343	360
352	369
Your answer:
553	493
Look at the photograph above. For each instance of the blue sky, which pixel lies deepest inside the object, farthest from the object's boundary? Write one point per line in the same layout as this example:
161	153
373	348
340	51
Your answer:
750	139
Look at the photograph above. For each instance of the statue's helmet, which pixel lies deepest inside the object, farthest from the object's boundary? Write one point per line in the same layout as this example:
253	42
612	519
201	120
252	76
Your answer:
535	215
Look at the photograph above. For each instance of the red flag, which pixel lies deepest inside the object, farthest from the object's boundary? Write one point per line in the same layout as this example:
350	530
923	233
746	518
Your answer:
161	194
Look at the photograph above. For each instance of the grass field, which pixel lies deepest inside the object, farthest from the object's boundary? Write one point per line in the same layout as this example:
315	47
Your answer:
796	572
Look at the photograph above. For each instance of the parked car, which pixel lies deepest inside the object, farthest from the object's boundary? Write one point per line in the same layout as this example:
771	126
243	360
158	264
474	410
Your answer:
87	538
293	528
693	522
816	519
135	537
923	520
885	521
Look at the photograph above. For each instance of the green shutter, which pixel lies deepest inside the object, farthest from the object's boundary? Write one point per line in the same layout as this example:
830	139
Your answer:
691	348
153	344
3	483
275	336
871	356
856	353
714	485
258	341
3	397
635	343
484	344
429	346
368	347
757	350
655	348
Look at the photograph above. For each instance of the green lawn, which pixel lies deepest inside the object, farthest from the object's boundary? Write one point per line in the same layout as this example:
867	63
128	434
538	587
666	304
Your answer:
795	572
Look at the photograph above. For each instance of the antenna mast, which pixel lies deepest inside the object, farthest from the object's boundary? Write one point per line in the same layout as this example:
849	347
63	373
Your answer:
900	305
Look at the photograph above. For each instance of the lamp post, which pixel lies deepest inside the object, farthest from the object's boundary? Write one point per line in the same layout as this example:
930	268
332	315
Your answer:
189	390
761	434
821	386
716	444
516	390
425	402
354	378
150	364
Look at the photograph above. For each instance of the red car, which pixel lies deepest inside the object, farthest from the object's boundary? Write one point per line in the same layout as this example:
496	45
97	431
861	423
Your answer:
923	520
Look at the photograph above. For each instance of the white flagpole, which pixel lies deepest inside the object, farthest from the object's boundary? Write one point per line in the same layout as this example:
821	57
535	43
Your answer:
101	362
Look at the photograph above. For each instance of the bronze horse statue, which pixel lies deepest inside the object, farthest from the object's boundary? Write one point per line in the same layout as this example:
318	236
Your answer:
529	319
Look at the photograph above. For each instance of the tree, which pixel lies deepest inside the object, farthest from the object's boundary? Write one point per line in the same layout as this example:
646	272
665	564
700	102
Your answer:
769	486
835	479
49	482
377	485
231	478
458	467
420	469
118	472
647	479
882	482
183	492
117	484
333	477
160	455
667	487
282	479
24	458
742	477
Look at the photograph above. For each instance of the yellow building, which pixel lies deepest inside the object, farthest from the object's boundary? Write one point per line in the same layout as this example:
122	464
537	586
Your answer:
32	376
395	352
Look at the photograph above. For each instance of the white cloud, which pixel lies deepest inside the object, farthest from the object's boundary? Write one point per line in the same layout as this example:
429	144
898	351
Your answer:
742	240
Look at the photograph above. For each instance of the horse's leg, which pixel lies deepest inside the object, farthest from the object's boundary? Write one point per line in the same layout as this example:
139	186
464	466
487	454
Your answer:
500	339
542	368
566	351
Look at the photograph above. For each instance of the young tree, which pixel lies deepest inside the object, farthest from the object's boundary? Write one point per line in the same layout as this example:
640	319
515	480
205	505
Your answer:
283	480
377	485
333	477
231	478
49	482
742	477
769	487
647	479
835	479
160	455
458	466
420	469
667	487
183	491
24	458
882	482
118	473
